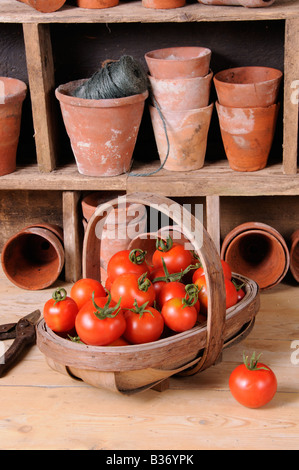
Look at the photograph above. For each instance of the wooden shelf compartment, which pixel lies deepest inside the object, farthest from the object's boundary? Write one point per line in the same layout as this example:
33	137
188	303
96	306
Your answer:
215	178
36	27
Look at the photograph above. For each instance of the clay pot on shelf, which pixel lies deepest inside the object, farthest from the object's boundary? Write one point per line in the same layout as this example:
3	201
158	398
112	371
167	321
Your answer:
33	258
179	62
12	95
121	226
247	135
244	3
187	133
294	255
102	132
248	87
95	4
259	250
179	94
163	4
45	6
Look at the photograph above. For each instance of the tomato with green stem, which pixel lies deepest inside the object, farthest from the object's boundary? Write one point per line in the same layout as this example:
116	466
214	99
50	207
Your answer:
144	324
127	261
174	255
231	295
100	321
226	271
130	287
179	314
81	291
253	384
60	312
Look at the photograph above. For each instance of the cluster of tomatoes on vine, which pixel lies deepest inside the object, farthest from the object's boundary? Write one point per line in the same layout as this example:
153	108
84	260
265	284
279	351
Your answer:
141	301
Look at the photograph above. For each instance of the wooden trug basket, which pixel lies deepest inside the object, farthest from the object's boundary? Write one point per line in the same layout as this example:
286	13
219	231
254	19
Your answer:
134	368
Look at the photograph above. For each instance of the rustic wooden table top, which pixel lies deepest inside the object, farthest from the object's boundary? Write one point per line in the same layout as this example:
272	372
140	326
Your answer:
42	409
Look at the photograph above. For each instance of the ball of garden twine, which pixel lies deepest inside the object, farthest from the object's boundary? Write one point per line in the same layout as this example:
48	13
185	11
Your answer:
117	79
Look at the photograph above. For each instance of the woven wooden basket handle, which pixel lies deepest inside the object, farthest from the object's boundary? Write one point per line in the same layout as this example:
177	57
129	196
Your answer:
203	245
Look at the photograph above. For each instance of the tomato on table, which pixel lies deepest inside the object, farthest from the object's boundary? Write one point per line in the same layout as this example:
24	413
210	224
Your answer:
253	384
144	324
127	261
174	255
100	321
60	312
82	291
130	287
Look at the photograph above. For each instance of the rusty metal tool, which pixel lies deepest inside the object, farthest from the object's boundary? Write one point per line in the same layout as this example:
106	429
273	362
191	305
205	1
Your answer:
24	334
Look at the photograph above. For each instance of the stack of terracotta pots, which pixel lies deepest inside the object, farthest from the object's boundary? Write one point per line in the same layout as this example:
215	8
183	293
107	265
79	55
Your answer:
247	109
180	81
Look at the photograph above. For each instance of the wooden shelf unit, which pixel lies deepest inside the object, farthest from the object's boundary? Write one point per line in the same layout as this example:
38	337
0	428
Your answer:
213	181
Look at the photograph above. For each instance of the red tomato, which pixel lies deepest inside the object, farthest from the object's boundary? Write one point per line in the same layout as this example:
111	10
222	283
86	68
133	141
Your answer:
226	271
171	290
119	342
82	291
253	384
231	293
130	287
127	261
230	290
158	273
60	312
201	283
100	322
144	325
177	316
175	256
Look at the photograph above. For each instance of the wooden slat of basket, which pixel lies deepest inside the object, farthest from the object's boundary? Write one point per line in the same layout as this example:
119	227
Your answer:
206	251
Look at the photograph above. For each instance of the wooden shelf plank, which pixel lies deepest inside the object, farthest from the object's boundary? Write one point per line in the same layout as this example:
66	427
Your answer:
215	178
12	11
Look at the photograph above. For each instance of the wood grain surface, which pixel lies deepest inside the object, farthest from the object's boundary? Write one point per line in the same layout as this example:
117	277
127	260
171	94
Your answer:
43	409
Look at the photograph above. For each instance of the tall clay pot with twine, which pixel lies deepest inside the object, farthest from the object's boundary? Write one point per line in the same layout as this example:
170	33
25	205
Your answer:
102	116
12	95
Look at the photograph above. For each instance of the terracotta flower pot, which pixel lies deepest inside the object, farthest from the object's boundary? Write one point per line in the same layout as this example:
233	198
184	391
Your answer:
103	132
121	225
294	255
248	87
187	133
33	258
163	4
179	94
45	6
94	4
247	135
179	62
12	95
258	250
244	3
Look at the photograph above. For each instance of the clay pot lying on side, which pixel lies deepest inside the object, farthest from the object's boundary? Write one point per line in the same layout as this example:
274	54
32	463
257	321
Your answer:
34	257
179	94
248	87
179	62
258	250
247	135
294	255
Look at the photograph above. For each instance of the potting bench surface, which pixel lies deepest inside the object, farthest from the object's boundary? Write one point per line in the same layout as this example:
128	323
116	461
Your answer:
42	409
